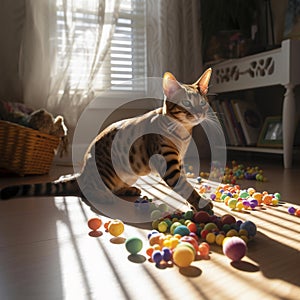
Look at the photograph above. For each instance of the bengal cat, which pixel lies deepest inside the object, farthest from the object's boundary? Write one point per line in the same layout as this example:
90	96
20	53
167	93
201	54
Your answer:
124	151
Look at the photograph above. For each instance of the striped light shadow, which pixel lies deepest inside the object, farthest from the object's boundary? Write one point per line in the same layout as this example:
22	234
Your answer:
244	283
78	250
274	227
161	191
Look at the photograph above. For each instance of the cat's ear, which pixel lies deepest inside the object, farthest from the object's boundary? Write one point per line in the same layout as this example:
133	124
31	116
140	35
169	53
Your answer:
170	84
203	81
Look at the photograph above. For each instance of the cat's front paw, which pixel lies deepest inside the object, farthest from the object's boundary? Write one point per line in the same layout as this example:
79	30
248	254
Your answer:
201	204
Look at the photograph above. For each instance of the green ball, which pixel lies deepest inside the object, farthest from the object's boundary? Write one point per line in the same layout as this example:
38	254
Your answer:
163	207
134	245
155	214
277	196
188	215
210	226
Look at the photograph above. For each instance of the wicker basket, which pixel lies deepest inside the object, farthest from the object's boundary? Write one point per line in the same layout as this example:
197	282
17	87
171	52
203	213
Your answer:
26	151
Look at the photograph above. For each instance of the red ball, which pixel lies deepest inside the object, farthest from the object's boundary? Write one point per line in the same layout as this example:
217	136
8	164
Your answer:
190	240
228	219
204	233
234	248
201	217
94	223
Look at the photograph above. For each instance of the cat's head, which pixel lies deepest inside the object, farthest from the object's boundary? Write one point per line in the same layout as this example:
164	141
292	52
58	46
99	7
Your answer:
186	103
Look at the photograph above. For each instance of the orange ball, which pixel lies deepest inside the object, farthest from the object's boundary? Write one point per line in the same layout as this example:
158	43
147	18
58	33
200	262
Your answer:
149	251
267	199
204	249
106	224
94	223
192	227
297	212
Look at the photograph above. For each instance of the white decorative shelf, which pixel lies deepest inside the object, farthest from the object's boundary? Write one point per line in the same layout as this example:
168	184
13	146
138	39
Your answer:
280	66
256	149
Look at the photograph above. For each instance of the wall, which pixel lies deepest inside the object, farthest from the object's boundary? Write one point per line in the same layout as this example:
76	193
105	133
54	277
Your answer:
12	15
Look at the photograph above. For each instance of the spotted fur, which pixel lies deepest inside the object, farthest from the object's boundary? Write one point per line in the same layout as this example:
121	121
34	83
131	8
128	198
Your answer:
124	151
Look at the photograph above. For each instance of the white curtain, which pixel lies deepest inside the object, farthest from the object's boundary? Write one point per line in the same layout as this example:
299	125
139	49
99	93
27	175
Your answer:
55	37
174	38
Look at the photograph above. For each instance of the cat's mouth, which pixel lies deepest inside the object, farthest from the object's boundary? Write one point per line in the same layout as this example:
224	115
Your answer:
196	117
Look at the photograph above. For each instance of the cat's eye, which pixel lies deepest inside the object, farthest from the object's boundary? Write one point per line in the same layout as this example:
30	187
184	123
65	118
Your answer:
203	102
186	103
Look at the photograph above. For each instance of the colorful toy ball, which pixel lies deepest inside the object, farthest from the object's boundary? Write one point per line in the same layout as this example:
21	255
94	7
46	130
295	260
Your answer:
291	210
134	245
250	227
167	254
94	223
234	248
182	230
157	256
116	227
183	256
204	249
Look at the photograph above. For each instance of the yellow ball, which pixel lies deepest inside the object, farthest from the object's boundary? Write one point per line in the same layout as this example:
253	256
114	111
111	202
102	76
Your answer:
174	242
239	205
225	240
243	232
210	238
183	256
232	232
219	239
116	227
244	238
162	226
251	191
232	203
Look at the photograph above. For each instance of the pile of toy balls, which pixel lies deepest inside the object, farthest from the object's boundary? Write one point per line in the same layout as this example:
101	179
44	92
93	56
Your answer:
241	199
294	211
180	234
232	174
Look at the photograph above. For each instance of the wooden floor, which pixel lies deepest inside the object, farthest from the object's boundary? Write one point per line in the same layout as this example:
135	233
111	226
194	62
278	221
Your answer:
46	252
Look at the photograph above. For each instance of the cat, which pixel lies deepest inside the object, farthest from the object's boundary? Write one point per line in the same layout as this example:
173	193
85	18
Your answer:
123	151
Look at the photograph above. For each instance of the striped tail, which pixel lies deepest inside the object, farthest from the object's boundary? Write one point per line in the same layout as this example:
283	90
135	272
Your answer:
61	187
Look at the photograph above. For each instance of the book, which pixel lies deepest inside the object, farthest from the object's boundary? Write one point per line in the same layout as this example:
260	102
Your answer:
249	118
235	124
229	124
215	104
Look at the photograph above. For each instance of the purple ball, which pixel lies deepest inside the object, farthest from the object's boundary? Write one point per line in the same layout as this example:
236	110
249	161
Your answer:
291	210
157	256
167	254
253	203
213	197
235	248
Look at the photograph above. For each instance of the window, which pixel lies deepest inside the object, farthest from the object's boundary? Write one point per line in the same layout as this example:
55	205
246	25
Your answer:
92	47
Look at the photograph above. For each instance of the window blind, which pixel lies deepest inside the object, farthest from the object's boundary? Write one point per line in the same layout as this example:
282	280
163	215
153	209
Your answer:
125	59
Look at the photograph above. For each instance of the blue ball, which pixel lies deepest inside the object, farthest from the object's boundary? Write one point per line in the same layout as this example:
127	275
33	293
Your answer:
182	230
250	227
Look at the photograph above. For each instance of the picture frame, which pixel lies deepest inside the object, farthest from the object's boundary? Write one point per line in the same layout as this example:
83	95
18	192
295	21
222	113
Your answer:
271	133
